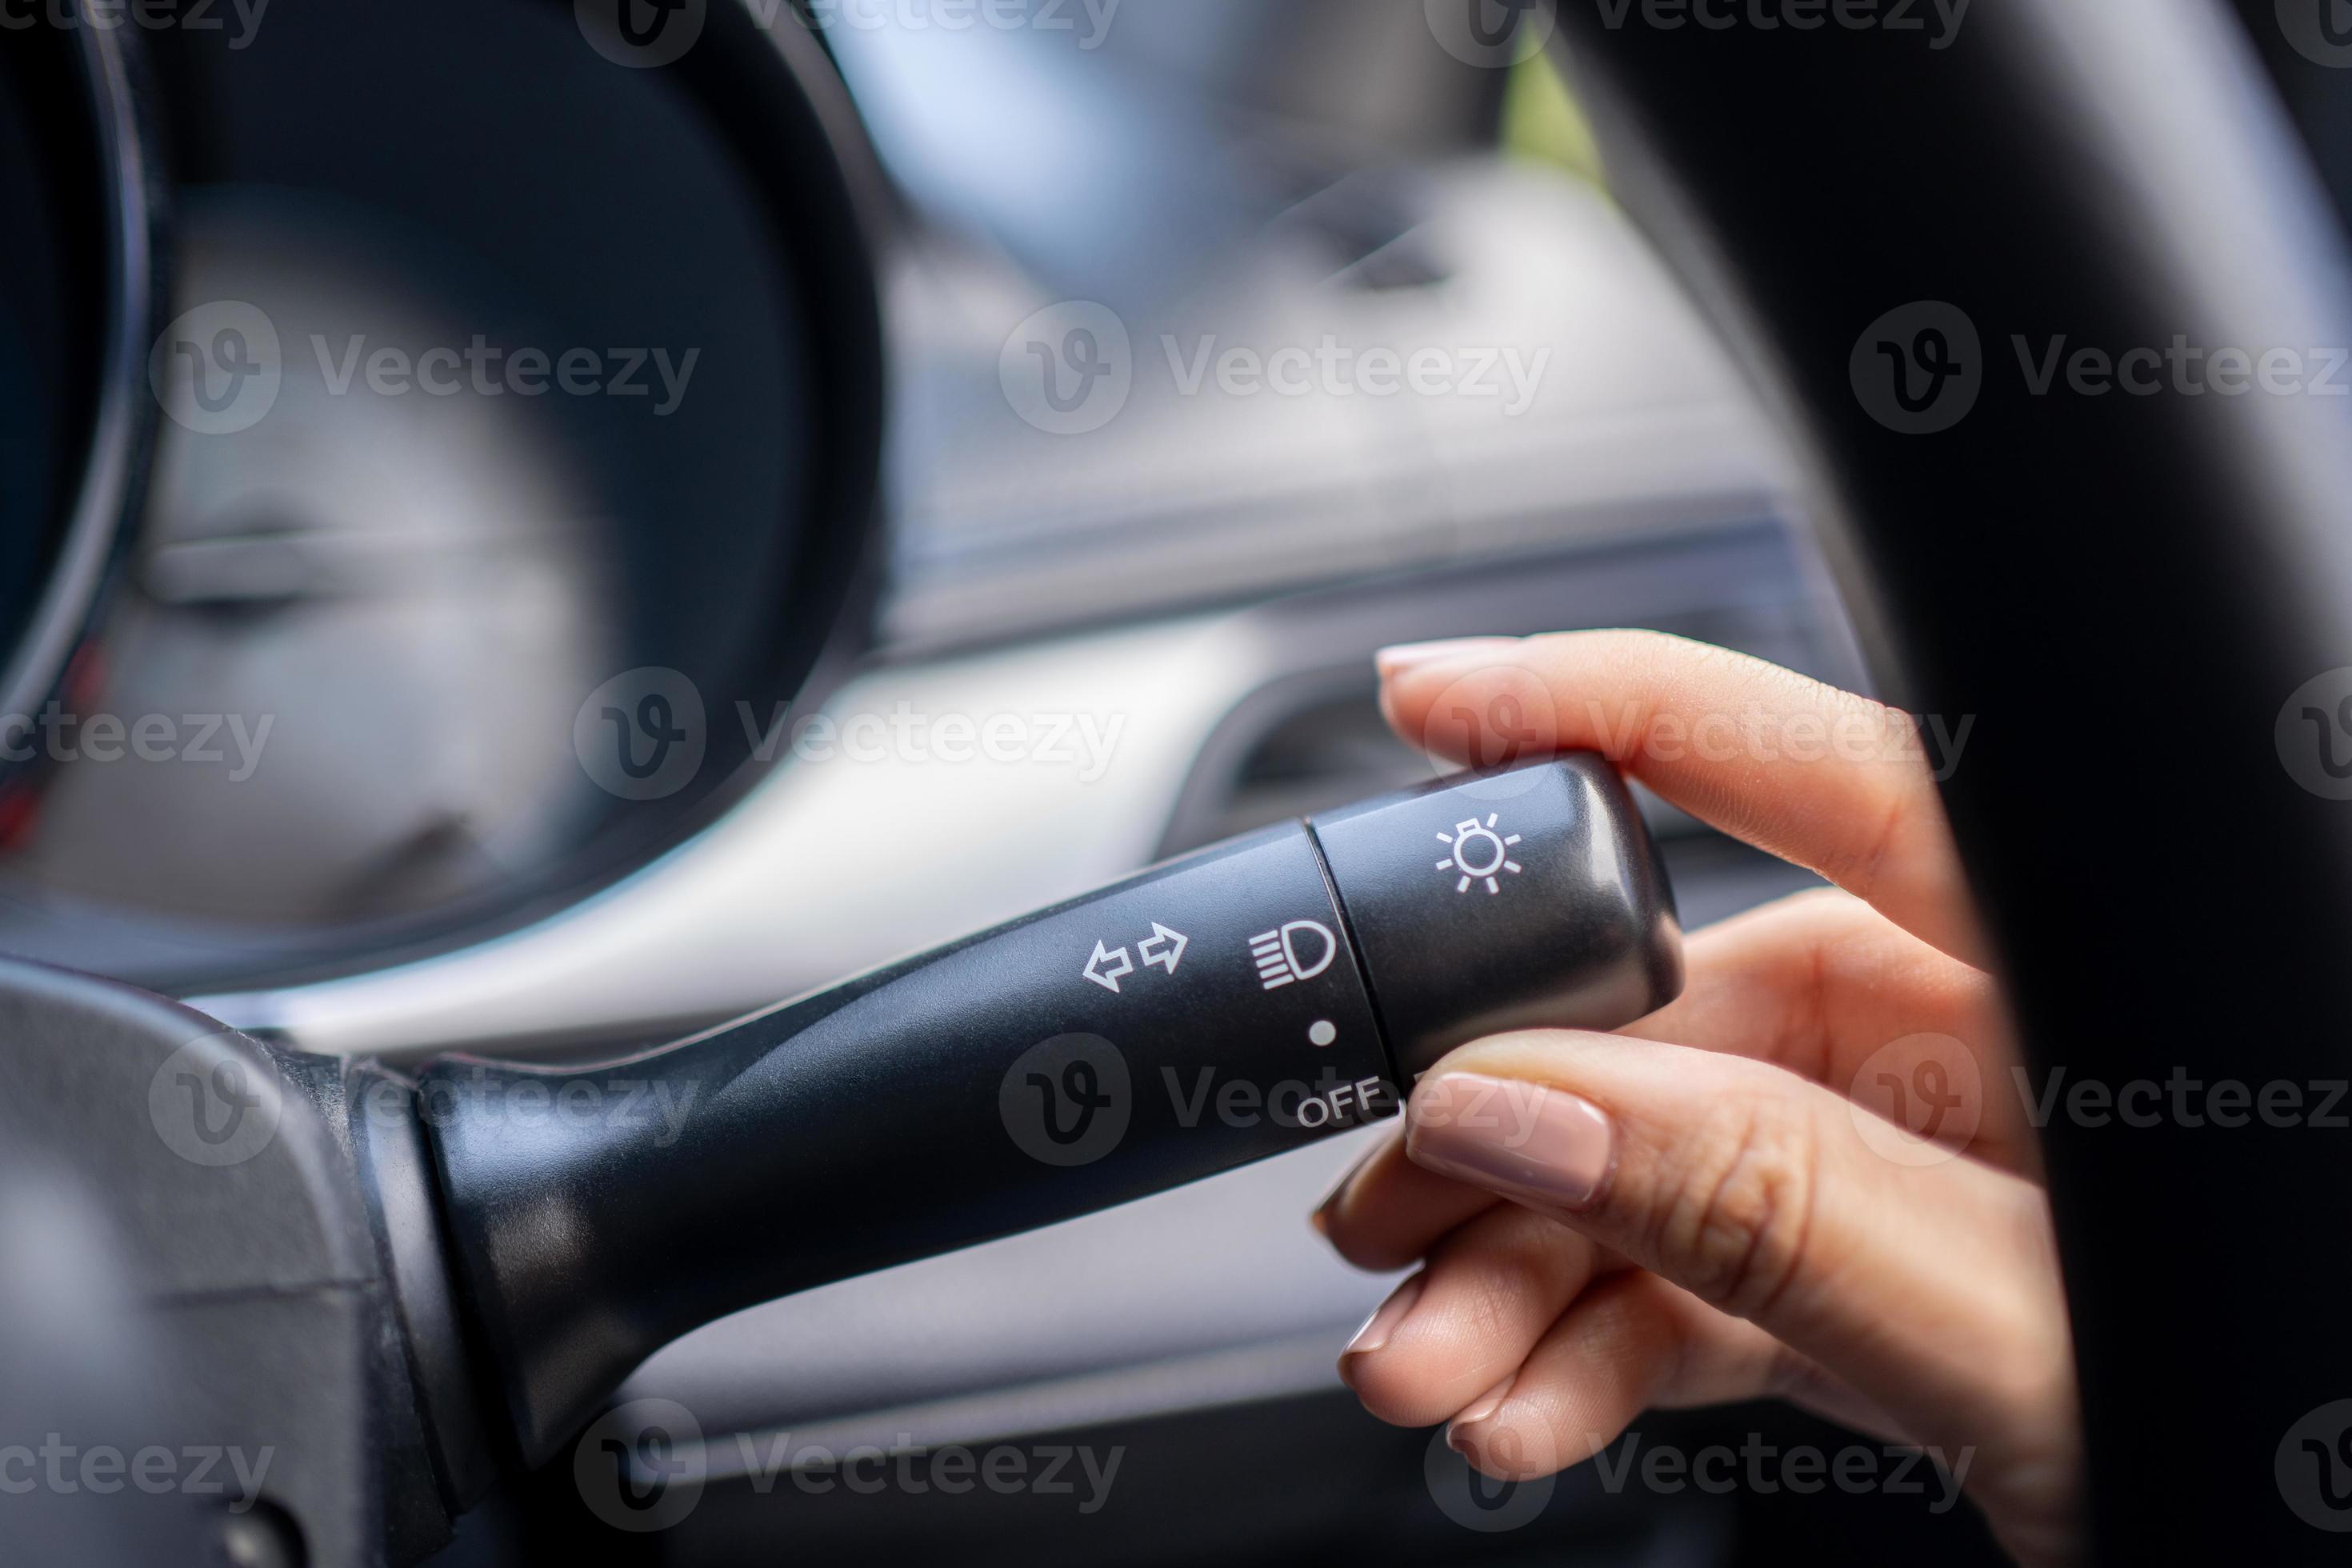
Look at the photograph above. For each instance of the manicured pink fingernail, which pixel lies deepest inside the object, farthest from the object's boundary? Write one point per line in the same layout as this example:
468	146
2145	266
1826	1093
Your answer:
1394	661
1526	1141
1477	1410
1378	1327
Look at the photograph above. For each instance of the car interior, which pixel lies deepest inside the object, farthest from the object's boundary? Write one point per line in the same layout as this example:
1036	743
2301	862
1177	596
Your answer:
638	588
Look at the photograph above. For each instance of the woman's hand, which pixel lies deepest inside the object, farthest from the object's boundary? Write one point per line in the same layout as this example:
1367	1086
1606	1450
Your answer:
1718	1203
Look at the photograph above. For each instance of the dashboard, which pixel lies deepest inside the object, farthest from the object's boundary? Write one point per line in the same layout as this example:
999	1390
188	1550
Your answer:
543	405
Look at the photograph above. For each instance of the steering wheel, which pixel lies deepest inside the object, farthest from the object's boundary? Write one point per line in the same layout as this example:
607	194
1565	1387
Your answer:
2121	589
81	287
2134	597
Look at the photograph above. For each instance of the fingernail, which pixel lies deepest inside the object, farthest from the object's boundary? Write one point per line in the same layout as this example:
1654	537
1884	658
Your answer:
1378	1327
1394	661
1320	1217
1477	1410
1525	1141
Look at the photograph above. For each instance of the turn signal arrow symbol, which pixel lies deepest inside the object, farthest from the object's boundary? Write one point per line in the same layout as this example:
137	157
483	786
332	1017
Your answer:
1117	960
1155	948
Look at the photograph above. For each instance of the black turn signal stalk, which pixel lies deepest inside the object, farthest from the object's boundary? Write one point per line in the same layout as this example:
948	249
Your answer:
1234	1003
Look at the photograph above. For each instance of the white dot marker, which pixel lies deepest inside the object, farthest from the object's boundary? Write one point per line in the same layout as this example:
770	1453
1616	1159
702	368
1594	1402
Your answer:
1322	1032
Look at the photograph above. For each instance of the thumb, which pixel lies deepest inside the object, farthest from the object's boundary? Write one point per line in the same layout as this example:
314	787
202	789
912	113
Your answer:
1927	1283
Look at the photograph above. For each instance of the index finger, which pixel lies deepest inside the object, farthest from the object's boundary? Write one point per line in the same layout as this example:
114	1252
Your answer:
1833	781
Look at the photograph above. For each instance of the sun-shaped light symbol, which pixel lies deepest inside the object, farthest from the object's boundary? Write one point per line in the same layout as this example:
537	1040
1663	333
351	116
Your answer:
1478	853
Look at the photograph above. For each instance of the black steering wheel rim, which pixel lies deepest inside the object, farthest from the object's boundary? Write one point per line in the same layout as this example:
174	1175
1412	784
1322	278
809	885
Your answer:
2121	590
93	107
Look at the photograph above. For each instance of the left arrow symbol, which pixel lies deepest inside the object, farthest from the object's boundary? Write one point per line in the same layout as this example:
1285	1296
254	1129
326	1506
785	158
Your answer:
1107	964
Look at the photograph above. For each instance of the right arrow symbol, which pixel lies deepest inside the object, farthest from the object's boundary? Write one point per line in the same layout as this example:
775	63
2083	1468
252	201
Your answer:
1116	957
1165	956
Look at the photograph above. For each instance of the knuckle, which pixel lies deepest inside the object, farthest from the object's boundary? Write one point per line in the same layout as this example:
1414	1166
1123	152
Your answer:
1733	1226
